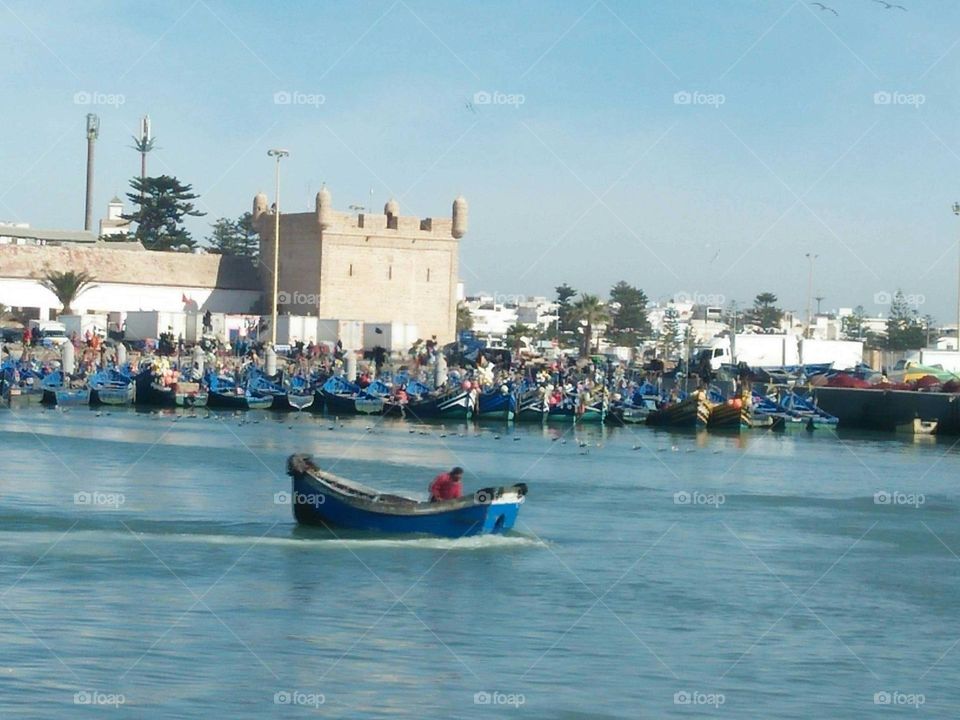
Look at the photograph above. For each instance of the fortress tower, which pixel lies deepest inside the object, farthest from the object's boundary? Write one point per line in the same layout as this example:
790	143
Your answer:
368	266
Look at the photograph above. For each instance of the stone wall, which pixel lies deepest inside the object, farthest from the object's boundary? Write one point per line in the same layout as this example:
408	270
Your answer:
109	264
365	268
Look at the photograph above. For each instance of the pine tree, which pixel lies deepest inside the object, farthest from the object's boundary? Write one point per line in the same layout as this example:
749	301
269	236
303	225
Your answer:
629	324
162	204
669	339
765	312
904	329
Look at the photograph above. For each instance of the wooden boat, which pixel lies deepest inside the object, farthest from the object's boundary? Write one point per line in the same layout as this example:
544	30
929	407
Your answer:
111	387
226	393
342	397
736	414
633	412
532	407
692	412
453	403
20	386
61	390
300	394
260	385
570	410
150	390
322	498
497	403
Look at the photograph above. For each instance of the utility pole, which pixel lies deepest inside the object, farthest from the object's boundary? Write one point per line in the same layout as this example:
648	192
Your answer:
93	132
811	257
278	154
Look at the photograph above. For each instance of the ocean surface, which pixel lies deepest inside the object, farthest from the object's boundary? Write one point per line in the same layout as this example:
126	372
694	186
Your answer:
150	568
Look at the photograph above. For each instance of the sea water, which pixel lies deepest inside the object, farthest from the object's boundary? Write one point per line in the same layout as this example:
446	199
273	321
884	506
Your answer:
150	568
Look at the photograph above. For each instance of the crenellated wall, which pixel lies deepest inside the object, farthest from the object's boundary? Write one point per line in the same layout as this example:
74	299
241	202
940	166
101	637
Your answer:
370	266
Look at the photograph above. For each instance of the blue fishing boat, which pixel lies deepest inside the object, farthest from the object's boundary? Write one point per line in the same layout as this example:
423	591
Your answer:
300	395
808	411
322	498
532	406
342	397
111	387
261	384
496	403
452	403
58	389
20	384
224	392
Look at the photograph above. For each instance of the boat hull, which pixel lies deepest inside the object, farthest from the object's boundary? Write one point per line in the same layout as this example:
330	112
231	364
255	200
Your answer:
693	412
317	503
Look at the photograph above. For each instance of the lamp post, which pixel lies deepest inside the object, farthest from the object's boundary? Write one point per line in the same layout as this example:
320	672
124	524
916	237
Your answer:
278	154
956	211
811	257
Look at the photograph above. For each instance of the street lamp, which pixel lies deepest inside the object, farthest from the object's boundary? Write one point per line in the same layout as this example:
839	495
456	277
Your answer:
956	211
278	154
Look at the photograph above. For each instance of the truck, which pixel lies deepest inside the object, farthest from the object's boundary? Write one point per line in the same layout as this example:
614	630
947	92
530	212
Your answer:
94	323
51	332
348	332
762	351
149	324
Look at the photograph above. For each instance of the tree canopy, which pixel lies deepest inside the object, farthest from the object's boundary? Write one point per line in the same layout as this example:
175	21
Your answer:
904	329
629	323
235	237
67	286
588	312
161	205
765	312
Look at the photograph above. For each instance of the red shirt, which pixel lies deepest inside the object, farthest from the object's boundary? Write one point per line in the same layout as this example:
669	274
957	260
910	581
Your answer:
444	487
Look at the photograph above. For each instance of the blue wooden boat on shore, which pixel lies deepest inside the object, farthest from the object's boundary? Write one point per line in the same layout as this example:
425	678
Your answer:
151	390
324	499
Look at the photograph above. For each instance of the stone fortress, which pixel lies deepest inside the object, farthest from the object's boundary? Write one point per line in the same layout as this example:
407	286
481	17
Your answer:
368	266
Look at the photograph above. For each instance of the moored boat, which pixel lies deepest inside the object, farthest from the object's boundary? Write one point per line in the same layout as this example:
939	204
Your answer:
111	387
322	498
692	412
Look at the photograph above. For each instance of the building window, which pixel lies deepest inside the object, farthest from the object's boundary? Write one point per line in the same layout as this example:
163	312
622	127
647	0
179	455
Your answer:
350	272
390	272
428	274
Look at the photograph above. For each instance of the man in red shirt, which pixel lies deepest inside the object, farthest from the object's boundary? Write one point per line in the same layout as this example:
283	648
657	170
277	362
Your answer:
447	486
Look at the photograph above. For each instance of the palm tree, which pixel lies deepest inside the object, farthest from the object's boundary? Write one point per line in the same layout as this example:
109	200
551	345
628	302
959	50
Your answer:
589	311
67	286
464	318
515	334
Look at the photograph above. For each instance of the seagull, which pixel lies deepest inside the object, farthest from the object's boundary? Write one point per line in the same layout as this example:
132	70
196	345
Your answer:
824	7
470	107
890	6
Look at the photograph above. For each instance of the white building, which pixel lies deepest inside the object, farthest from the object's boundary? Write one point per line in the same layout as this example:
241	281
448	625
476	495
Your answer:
113	223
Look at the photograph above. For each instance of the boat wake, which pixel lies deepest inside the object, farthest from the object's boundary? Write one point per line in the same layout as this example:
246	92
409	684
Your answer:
23	528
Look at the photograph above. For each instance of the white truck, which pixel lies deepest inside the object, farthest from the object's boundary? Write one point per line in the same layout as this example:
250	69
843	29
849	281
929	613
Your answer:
760	351
50	332
94	323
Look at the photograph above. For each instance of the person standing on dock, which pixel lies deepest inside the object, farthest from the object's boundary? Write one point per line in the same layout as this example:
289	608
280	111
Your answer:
447	486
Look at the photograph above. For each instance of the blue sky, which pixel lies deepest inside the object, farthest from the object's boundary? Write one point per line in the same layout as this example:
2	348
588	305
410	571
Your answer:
602	173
